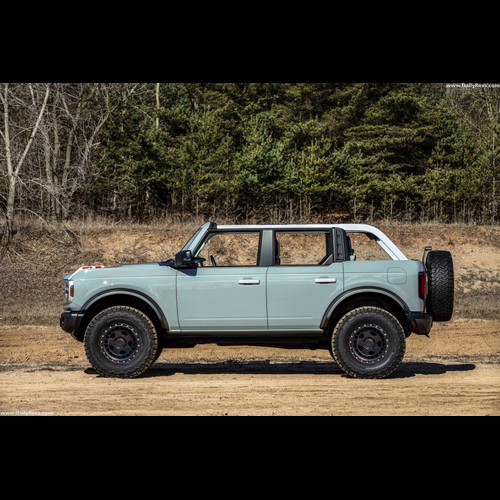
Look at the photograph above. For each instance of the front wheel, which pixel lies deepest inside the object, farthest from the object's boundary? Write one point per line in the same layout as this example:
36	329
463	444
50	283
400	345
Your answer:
121	342
368	342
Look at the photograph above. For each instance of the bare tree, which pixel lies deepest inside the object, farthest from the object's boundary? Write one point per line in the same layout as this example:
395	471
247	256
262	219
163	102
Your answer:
21	121
49	134
77	115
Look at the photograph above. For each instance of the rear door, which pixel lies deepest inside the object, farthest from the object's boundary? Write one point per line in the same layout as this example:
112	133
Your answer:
304	280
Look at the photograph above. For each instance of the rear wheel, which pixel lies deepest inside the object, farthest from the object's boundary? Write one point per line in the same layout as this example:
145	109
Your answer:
121	342
368	342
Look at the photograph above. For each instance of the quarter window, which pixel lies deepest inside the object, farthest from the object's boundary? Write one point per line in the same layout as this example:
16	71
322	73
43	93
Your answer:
364	248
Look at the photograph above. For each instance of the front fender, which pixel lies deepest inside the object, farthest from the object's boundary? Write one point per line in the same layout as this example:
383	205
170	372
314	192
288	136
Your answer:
134	293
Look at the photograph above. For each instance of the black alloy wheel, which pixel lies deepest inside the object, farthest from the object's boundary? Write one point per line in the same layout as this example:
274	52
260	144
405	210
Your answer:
121	342
368	342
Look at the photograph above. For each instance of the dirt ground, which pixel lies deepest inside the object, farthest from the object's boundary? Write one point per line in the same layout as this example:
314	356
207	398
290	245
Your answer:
43	370
455	372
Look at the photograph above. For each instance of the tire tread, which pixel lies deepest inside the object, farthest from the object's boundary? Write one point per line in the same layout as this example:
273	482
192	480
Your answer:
120	312
440	299
336	343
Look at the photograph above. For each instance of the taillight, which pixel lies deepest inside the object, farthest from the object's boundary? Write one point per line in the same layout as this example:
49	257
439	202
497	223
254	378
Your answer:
422	285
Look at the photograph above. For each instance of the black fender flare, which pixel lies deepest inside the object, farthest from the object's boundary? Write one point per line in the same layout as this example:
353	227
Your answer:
357	291
134	293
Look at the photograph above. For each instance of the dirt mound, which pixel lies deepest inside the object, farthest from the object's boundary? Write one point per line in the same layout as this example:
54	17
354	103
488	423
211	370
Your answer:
31	275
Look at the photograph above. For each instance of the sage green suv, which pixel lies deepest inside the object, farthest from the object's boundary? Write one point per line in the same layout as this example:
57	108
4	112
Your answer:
346	288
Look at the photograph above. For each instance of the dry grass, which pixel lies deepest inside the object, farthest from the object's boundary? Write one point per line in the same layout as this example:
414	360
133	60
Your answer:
477	295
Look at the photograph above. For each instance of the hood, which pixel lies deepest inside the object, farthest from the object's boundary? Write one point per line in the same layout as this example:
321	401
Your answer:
93	272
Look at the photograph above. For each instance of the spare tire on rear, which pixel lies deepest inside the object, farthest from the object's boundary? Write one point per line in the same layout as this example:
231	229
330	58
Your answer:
441	285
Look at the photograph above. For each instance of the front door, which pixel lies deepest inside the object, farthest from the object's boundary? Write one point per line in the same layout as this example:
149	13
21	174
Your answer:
228	293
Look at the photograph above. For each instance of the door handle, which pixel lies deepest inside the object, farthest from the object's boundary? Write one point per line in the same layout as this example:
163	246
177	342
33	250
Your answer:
325	280
248	282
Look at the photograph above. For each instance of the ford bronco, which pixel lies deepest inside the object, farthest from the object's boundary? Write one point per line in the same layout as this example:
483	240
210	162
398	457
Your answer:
346	288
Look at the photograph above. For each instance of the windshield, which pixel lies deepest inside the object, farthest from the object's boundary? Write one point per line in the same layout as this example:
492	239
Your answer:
193	241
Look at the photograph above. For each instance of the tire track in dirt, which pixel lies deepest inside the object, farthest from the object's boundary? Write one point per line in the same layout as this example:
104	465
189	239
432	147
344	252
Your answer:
455	372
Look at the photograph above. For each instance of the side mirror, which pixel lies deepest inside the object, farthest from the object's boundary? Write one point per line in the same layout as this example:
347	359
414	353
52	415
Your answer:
184	259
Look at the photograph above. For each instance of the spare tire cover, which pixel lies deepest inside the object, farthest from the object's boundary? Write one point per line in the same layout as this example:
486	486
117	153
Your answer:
441	285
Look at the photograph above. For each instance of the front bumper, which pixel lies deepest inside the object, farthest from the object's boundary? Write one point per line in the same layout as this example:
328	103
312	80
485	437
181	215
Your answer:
420	323
70	323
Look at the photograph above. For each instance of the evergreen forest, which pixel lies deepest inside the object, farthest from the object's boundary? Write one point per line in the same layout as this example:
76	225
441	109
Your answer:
260	152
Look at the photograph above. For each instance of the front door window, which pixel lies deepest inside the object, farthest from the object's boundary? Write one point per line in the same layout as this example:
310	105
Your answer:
230	250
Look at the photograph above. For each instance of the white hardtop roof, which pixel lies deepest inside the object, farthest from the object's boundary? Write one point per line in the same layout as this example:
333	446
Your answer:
393	251
358	228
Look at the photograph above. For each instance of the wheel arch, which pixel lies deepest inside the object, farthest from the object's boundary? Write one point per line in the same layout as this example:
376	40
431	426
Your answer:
122	297
362	297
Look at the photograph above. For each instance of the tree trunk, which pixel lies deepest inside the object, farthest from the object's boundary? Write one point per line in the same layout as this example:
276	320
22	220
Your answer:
14	170
157	105
9	221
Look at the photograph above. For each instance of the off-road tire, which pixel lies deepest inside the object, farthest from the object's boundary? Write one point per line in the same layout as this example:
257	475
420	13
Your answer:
121	342
441	286
368	342
158	354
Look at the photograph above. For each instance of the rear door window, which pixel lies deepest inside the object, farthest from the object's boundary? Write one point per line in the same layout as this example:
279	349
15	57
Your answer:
302	248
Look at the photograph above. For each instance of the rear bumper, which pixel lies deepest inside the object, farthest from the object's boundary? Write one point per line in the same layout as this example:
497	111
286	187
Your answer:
70	322
420	323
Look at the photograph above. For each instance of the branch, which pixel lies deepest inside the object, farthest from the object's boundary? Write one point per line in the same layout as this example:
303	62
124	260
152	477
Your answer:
34	213
75	237
1	96
32	95
28	146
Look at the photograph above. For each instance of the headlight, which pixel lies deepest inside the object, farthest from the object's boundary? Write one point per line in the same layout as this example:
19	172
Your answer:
69	292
